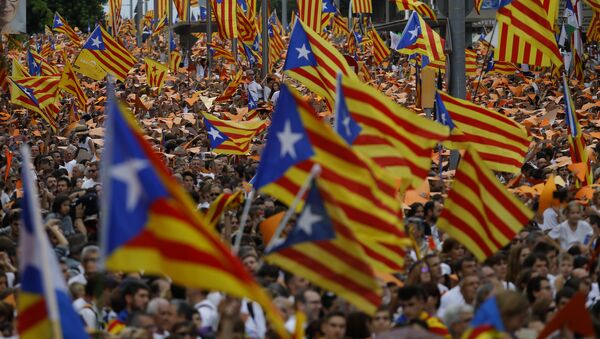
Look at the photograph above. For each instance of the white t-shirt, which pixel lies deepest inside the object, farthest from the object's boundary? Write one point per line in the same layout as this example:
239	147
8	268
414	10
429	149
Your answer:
256	324
256	91
452	297
567	238
208	314
550	219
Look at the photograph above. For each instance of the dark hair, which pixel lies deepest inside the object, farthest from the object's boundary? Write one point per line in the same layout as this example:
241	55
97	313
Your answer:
59	200
133	286
532	258
431	290
65	179
534	285
565	292
357	325
544	248
333	314
413	209
410	291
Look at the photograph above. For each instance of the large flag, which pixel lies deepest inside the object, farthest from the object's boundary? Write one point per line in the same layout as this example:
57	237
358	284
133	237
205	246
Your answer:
114	15
25	97
593	31
310	13
221	203
525	34
340	25
324	251
61	26
500	141
156	73
417	6
479	211
276	44
161	8
86	64
362	6
141	198
392	136
573	316
418	37
315	62
161	24
44	305
225	13
43	88
70	83
109	53
219	52
183	7
362	191
230	137
247	30
380	49
470	63
231	88
576	140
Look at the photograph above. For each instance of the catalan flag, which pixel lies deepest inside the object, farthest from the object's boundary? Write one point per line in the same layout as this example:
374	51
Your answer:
392	136
418	37
182	7
499	140
340	25
45	68
3	78
174	55
470	62
576	140
161	24
309	12
43	88
327	13
114	15
25	97
380	49
324	251
362	192
315	62
61	26
44	305
231	88
156	73
479	211
109	53
593	31
33	65
362	6
276	44
141	198
594	4
526	35
223	202
477	4
47	49
229	137
70	83
500	67
219	52
161	7
247	31
417	6
225	12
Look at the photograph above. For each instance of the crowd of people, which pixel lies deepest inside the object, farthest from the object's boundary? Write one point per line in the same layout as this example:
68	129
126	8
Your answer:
550	260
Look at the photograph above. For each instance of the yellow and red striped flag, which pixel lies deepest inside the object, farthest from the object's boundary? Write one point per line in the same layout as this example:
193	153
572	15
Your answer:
3	78
162	8
380	49
225	12
362	6
160	25
276	44
174	61
114	15
219	52
418	37
70	83
526	35
392	136
247	30
500	141
46	67
309	12
594	4
477	4
47	49
182	7
470	62
593	31
25	97
223	202
231	88
479	211
230	137
109	53
361	190
44	88
156	73
417	6
340	25
61	26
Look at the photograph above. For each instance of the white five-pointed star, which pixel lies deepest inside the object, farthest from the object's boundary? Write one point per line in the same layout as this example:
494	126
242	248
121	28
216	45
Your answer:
215	134
414	33
443	116
128	172
324	6
346	123
58	21
96	42
303	52
307	220
288	140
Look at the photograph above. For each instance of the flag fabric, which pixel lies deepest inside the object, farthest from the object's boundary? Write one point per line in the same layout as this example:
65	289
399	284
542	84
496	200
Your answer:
309	12
362	192
470	62
276	44
44	305
247	31
392	136
479	211
477	4
500	67
156	73
315	62
482	332
573	316
340	25
109	53
418	37
231	88
43	88
223	202
488	313
593	31
501	142
161	24
417	6
182	7
47	49
594	4
252	107
70	83
174	56
226	16
327	13
324	251
230	137
60	25
162	8
576	139
114	15
526	35
219	52
87	65
32	64
344	124
45	68
3	79
362	6
25	97
380	49
144	197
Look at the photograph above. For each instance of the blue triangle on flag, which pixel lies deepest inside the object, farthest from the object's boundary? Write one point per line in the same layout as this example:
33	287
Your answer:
345	125
442	113
300	52
215	136
95	42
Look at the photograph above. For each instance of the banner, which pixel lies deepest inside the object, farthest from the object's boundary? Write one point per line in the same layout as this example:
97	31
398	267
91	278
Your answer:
87	65
13	16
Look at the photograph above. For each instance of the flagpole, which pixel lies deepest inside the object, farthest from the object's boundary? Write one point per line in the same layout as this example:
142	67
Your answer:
314	171
208	36
243	220
265	39
485	61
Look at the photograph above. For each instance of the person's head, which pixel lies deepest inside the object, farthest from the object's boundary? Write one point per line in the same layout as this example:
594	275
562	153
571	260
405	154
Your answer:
92	170
11	183
585	281
136	295
416	211
457	318
51	183
466	266
412	301
189	181
468	287
452	249
382	320
63	185
161	310
144	321
310	301
89	259
295	283
563	296
250	261
61	205
538	288
8	12
538	263
418	273
573	212
565	264
499	264
333	325
432	211
513	308
435	266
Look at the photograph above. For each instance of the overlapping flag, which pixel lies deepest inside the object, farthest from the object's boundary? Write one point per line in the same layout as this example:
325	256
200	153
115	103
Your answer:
230	137
109	53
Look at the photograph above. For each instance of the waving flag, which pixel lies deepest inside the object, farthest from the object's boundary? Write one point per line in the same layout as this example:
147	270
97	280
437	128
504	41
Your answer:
156	73
230	137
225	12
221	203
500	141
114	15
25	97
362	6
361	190
219	52
247	30
44	305
161	7
526	35
3	79
174	55
141	197
310	13
182	7
44	88
418	37
340	25
324	251
231	88
61	26
470	62
109	53
593	31
33	66
276	44
70	83
380	49
45	67
576	140
160	25
344	125
418	7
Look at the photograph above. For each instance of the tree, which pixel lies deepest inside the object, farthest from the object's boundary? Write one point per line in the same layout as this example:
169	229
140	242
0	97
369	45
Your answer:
78	13
38	15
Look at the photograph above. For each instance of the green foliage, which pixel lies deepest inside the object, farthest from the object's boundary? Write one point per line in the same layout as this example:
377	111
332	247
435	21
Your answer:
77	13
38	15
